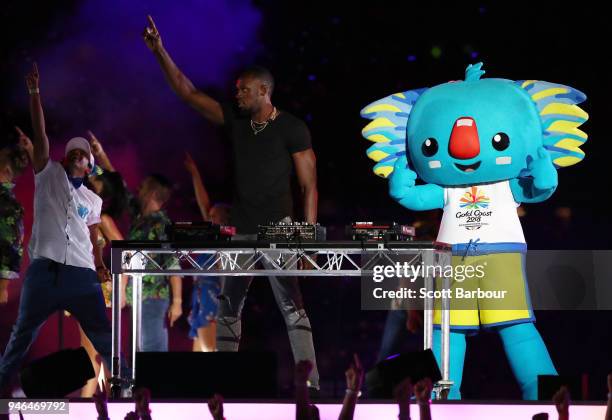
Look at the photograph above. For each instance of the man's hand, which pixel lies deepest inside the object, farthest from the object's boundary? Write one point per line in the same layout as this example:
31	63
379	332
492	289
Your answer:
131	416
33	78
190	165
3	291
215	405
402	393
151	36
142	398
100	399
354	375
96	146
104	274
302	371
562	401
422	390
24	142
175	312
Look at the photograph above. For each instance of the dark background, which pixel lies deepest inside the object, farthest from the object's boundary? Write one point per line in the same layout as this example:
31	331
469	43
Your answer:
329	61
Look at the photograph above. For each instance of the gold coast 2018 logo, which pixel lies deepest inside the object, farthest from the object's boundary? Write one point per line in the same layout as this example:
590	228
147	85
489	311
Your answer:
476	206
474	199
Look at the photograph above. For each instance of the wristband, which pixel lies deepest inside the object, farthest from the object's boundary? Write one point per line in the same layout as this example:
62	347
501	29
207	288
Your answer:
34	90
353	392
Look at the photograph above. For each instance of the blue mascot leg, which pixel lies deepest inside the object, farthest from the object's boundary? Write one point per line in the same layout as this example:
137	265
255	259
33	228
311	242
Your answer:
457	356
528	356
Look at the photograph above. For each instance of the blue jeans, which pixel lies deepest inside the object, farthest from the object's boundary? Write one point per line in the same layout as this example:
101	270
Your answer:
48	287
154	332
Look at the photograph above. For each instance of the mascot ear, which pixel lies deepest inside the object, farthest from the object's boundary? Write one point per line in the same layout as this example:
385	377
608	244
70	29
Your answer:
560	116
388	128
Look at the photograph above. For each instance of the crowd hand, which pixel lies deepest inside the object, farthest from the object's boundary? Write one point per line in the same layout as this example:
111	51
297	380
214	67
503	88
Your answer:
151	36
131	416
142	398
104	274
354	375
33	78
402	393
175	312
190	165
313	412
422	390
215	406
302	371
562	401
24	141
100	399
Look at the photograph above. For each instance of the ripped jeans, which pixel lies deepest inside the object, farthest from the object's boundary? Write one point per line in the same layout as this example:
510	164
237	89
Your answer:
289	300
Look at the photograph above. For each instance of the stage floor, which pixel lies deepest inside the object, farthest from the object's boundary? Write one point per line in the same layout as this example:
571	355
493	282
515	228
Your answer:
80	410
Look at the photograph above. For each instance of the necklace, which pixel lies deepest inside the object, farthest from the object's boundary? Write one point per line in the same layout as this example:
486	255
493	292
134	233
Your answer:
258	127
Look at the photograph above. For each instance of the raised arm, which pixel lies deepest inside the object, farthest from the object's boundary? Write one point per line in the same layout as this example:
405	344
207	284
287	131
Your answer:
100	155
305	164
180	84
40	155
414	197
201	194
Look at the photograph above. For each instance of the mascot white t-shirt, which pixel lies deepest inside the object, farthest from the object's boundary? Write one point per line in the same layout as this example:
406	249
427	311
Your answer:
485	213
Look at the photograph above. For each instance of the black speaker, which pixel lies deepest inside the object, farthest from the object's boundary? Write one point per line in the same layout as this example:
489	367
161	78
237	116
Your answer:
417	365
200	375
57	375
548	385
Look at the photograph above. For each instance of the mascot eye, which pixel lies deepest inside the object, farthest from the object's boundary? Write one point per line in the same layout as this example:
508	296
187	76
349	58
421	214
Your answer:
430	147
501	141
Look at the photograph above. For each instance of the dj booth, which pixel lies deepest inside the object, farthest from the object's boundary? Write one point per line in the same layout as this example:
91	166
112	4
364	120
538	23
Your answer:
264	258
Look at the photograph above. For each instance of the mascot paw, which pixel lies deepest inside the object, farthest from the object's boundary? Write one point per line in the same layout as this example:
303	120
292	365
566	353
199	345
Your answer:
402	178
543	171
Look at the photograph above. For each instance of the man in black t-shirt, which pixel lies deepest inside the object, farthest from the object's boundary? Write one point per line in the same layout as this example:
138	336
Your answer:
268	145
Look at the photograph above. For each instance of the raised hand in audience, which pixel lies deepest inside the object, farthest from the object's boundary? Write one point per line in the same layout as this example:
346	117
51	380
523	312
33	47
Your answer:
99	397
215	406
354	380
142	398
422	392
562	402
402	393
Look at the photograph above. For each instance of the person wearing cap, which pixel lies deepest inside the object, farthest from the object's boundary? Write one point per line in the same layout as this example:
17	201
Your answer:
66	266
